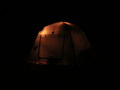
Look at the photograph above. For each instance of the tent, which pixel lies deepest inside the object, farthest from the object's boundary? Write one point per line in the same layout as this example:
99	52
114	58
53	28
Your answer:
59	43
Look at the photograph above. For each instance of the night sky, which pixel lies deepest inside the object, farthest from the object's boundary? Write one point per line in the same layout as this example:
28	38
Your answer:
22	20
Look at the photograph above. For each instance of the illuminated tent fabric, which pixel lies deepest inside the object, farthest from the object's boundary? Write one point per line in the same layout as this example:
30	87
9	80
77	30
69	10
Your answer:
59	43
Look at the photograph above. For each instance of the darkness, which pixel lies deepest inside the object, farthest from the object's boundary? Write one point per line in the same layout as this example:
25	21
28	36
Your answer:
21	21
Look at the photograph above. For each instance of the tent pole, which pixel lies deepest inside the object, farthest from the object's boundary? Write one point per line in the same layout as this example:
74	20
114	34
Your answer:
39	47
63	48
74	54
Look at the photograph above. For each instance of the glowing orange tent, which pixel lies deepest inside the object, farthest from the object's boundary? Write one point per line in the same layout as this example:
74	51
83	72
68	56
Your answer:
59	43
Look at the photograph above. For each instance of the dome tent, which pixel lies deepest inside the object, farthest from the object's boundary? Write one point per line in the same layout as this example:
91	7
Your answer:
59	43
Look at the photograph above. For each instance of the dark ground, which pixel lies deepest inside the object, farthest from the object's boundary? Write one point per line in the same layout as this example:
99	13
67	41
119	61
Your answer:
21	76
21	22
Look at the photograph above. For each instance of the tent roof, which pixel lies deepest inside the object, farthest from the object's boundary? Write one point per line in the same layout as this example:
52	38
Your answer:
57	27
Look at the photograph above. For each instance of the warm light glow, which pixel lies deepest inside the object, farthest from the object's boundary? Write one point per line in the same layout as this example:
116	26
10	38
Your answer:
43	32
43	62
40	62
37	63
67	23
